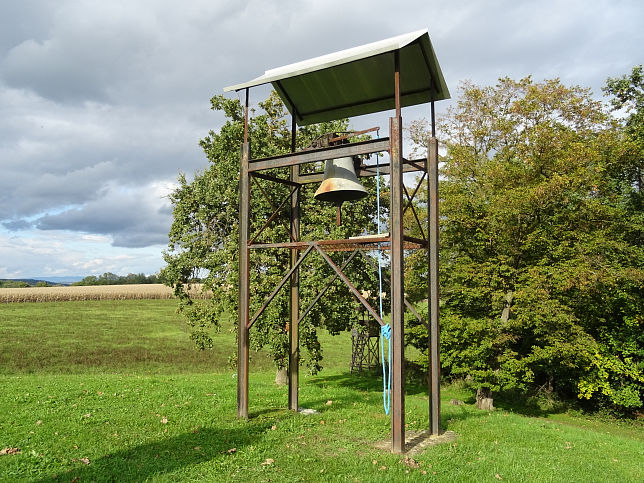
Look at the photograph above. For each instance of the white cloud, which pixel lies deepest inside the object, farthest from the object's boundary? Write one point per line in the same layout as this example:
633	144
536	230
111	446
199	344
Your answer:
60	253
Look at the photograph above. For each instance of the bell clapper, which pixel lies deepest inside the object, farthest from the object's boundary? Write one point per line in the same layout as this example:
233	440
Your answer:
338	214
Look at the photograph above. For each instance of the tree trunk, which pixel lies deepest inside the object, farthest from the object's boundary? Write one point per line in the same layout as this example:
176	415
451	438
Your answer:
281	377
483	399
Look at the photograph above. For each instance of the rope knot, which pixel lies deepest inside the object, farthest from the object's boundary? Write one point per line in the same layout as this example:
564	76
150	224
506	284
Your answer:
385	331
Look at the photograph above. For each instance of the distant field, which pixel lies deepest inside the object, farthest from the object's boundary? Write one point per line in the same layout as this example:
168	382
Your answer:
92	292
140	336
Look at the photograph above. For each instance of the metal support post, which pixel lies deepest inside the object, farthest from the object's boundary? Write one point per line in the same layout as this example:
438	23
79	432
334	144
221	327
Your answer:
244	282
434	327
397	277
294	330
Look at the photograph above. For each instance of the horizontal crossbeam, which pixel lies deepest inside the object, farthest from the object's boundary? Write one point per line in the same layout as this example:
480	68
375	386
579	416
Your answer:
302	157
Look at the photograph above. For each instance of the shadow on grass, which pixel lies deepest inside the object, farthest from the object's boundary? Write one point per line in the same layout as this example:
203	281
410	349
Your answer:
266	412
148	460
529	406
366	381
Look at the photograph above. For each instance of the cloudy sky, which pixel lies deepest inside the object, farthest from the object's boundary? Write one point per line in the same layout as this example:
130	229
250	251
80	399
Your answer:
102	103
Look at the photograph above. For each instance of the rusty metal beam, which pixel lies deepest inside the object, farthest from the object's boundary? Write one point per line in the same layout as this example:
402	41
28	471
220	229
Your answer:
413	210
347	245
434	331
385	169
397	274
285	279
244	284
327	286
301	157
413	195
246	117
274	179
326	243
272	217
417	241
351	134
294	329
348	283
387	280
275	210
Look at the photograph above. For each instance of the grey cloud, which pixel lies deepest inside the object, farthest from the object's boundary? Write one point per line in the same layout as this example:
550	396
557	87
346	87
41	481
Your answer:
50	162
133	218
17	225
122	52
548	39
100	100
55	72
24	19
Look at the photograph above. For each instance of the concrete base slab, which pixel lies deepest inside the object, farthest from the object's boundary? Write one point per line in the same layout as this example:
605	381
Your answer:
417	441
307	411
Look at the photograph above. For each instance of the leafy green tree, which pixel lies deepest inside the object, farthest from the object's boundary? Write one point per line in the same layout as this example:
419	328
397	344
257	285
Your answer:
542	261
204	236
109	278
89	280
628	95
14	284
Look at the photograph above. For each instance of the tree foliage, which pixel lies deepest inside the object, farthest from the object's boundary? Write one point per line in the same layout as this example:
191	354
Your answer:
109	278
542	260
204	236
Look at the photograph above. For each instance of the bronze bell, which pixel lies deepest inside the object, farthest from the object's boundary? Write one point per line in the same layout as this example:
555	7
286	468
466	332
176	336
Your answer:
340	182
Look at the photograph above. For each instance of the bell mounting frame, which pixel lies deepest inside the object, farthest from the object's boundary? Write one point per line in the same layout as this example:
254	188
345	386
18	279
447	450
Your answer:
393	73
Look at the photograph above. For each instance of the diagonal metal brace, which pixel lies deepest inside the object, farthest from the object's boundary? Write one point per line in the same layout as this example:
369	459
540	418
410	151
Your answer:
280	285
328	285
272	217
275	210
344	278
407	302
411	205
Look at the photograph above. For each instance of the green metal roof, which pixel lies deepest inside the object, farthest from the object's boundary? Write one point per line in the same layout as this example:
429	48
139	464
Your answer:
357	81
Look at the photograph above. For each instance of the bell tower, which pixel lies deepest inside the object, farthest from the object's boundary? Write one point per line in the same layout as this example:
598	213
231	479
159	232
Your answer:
386	75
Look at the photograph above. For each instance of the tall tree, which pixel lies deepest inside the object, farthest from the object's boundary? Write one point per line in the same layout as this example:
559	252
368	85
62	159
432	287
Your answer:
204	236
627	95
542	272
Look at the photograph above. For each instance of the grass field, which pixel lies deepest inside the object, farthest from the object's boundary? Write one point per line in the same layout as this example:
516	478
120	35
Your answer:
109	335
113	391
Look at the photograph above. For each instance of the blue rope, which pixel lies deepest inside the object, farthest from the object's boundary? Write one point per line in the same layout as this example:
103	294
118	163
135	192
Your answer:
385	333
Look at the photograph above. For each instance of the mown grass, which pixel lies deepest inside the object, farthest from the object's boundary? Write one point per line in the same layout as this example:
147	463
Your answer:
111	335
138	419
122	335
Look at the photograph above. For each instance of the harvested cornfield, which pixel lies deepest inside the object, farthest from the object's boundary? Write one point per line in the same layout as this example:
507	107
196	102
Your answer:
93	292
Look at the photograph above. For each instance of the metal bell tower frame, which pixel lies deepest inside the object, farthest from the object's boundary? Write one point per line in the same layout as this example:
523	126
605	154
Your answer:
389	74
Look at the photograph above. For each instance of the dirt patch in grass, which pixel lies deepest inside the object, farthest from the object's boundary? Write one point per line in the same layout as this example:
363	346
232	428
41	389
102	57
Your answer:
417	441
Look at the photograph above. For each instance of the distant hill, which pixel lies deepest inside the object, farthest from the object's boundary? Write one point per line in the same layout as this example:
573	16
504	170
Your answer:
48	280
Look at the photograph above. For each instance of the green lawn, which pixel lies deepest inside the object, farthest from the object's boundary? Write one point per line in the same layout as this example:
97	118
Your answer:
166	413
143	336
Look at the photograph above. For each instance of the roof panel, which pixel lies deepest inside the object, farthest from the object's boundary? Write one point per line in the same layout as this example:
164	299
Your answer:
357	81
